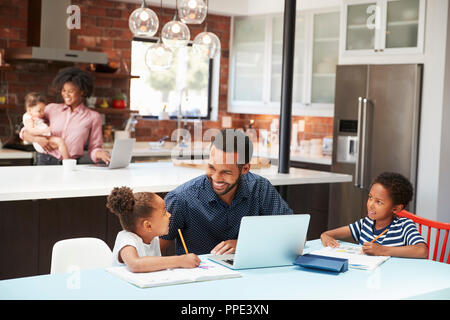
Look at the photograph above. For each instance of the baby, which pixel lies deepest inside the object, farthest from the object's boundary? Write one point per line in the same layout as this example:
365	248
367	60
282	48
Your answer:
34	123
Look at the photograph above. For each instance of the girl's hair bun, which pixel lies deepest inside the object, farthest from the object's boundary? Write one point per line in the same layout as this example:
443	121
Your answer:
121	201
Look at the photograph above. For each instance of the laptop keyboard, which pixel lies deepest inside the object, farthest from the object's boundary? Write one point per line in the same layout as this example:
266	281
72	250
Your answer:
230	261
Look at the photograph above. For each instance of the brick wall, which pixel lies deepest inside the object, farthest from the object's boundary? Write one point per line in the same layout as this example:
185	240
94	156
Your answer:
104	27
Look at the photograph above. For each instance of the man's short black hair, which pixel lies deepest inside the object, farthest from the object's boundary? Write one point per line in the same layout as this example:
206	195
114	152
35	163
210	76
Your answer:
80	78
231	140
399	188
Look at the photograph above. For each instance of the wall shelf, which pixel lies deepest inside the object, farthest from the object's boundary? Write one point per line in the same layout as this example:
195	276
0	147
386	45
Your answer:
113	75
111	110
7	106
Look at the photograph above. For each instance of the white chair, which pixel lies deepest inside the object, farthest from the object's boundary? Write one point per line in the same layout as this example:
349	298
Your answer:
80	253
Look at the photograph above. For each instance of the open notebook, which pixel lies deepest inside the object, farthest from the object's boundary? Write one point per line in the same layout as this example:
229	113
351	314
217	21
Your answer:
356	259
206	271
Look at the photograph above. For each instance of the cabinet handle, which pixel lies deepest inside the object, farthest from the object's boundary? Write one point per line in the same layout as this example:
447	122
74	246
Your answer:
357	164
376	50
363	149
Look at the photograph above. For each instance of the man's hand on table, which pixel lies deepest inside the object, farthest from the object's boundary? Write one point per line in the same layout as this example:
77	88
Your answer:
225	247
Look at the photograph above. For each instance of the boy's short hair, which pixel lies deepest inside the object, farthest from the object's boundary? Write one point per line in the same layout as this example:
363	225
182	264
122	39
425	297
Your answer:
231	140
399	187
33	98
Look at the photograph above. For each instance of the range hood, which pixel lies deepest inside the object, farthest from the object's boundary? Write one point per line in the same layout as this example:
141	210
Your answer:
49	37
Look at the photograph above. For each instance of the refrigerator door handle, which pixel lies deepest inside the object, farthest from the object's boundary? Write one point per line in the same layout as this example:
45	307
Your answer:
357	165
364	134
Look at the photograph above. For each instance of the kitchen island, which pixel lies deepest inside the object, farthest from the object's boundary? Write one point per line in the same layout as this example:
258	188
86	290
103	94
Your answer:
44	204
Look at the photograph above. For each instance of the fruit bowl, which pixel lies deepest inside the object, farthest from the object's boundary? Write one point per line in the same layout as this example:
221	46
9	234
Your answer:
110	67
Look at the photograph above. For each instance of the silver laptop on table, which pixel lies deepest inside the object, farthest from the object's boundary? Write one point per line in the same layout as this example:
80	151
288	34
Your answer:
267	241
121	154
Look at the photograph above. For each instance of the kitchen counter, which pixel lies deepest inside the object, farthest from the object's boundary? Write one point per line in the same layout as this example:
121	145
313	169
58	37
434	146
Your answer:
41	205
298	157
142	149
15	154
43	182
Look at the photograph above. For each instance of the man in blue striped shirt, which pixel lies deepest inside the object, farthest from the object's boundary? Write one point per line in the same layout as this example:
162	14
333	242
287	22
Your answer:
395	236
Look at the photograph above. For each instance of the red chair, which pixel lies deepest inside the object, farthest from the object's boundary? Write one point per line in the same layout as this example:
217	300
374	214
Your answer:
431	224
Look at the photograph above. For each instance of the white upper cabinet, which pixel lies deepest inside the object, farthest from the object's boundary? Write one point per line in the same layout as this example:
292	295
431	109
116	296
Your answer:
249	59
382	28
325	53
256	63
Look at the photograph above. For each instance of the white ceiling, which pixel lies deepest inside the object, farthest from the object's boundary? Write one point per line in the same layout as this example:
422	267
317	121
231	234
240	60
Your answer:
248	7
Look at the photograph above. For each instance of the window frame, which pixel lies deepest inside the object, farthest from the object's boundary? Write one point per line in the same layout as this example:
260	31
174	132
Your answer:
210	87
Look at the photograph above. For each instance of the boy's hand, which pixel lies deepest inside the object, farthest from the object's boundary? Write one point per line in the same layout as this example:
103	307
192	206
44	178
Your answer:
328	241
372	249
189	261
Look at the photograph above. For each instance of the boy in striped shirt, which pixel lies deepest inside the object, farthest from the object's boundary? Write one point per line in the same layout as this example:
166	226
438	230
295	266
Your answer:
389	194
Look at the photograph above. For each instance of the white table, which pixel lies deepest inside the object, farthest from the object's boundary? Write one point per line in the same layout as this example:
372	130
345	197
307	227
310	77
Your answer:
397	278
43	182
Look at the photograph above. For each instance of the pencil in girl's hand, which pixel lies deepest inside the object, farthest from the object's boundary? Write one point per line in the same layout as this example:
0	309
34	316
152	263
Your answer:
182	240
386	230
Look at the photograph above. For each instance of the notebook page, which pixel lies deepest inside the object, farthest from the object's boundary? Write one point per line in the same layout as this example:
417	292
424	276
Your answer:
150	279
209	270
356	259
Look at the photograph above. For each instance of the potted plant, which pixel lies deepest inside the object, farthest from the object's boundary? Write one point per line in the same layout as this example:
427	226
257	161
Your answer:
119	101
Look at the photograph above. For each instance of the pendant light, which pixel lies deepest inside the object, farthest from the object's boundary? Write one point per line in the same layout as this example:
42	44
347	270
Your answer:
175	33
192	11
207	42
143	22
158	55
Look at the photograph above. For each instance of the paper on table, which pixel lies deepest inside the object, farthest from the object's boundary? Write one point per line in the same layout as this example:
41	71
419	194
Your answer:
356	259
206	271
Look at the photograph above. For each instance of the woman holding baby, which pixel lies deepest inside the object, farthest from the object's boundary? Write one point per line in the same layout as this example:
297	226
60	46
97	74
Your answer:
72	121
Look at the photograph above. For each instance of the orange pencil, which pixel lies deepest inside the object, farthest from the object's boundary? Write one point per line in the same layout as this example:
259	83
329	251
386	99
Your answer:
386	230
182	240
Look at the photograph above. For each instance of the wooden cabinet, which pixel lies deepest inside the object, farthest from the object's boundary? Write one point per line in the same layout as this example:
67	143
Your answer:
382	28
19	238
311	199
16	162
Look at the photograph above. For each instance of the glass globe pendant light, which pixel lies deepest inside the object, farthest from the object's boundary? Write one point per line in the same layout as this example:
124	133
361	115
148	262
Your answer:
143	22
175	33
158	56
192	11
207	42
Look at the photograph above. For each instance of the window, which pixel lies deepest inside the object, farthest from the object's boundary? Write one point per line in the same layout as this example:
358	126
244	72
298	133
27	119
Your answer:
187	83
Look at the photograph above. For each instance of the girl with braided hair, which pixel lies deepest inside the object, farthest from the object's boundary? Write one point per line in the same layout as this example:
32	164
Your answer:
144	218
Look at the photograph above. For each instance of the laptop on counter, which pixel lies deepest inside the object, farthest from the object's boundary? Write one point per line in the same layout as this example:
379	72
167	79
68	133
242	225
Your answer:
121	154
267	241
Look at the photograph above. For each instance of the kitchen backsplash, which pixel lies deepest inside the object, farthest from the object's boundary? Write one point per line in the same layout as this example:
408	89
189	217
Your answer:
105	28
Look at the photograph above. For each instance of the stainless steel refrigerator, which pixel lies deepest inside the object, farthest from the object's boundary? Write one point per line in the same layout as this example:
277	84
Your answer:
376	127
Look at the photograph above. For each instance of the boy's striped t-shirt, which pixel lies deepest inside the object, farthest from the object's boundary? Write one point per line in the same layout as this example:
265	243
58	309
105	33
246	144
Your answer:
402	232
